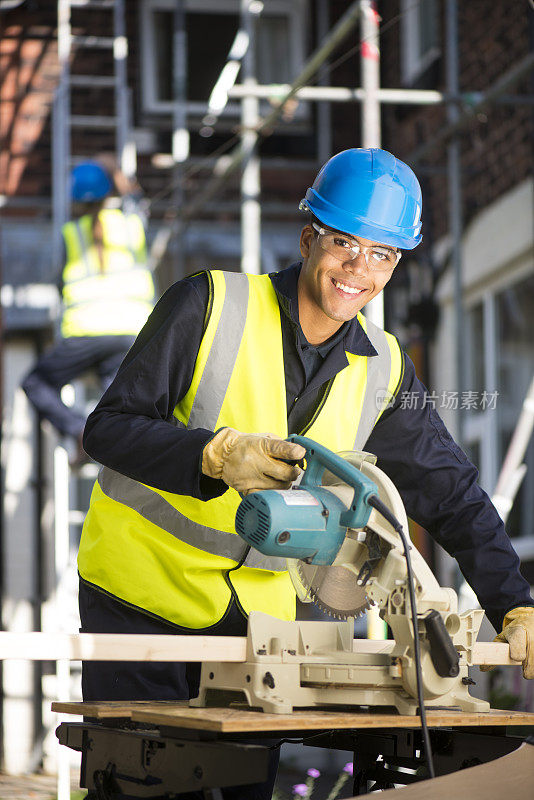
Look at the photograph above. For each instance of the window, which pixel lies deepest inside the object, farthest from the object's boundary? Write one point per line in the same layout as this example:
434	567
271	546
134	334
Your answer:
475	340
211	27
500	333
419	38
515	336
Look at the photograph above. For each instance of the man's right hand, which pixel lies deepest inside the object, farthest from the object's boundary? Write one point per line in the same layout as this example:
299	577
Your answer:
251	461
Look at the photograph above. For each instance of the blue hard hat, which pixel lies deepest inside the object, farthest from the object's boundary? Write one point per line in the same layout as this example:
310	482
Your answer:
368	193
89	182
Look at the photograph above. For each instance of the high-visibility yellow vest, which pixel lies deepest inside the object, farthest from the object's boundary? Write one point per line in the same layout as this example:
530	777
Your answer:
180	558
109	297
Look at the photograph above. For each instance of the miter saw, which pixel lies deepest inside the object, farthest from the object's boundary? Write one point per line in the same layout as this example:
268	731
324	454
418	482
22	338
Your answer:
344	555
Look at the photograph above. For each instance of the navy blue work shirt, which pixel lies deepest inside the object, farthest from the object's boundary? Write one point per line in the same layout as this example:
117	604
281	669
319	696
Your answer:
131	431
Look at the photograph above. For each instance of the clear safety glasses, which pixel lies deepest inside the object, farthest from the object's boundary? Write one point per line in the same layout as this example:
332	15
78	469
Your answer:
378	257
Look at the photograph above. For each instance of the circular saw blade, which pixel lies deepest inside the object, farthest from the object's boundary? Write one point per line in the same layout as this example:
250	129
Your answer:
334	589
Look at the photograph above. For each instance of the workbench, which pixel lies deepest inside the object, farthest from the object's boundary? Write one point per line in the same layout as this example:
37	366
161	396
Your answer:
155	750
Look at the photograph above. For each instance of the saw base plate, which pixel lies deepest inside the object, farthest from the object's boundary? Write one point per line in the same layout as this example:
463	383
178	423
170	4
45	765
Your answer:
312	664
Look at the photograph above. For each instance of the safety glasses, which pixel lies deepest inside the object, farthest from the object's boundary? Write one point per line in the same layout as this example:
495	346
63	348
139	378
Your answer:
377	257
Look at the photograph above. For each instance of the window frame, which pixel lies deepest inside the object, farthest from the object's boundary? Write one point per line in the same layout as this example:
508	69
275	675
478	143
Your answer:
484	427
413	62
293	9
481	427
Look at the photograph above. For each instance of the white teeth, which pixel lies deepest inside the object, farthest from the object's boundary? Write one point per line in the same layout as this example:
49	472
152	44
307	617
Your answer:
348	289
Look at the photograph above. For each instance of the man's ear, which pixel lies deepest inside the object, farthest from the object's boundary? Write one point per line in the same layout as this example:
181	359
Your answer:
306	237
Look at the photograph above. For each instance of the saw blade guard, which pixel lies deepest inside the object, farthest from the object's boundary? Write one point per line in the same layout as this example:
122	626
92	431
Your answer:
334	588
387	491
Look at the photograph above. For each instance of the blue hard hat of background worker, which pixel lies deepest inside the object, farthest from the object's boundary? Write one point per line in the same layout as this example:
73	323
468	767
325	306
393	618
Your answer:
89	182
368	193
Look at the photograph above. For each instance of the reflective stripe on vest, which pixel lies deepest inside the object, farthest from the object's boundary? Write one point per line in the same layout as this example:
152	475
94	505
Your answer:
159	512
383	379
110	299
176	556
216	375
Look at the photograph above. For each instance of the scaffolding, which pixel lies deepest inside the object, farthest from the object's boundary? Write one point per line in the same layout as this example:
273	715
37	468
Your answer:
461	109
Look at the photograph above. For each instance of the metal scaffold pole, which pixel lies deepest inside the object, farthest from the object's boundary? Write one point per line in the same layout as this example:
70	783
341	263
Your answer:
473	102
250	177
371	137
61	137
455	192
370	110
324	112
513	469
126	151
180	133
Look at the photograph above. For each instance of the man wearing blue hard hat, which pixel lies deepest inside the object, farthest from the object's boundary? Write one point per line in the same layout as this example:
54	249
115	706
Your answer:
227	356
107	294
382	217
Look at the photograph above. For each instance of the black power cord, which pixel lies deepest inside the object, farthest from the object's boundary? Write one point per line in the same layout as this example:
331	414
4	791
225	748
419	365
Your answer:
382	509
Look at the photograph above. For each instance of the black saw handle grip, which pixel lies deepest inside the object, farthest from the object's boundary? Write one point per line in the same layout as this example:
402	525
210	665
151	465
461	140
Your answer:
443	653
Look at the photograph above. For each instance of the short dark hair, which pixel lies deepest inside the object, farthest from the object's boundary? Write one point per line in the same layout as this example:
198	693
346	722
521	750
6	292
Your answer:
311	219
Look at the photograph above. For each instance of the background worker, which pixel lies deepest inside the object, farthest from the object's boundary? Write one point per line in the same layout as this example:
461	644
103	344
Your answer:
225	357
107	292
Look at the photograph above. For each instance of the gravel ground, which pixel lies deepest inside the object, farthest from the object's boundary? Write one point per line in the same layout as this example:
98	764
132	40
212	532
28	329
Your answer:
33	787
43	787
295	761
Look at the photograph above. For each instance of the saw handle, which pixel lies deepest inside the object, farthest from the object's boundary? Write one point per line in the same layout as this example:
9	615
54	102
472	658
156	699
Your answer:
443	653
319	458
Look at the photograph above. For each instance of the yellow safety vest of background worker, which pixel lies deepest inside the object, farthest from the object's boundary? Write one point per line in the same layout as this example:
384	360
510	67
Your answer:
107	290
107	293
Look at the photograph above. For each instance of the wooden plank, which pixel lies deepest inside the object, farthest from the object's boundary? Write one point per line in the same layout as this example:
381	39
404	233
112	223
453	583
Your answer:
137	647
120	647
110	709
240	720
497	653
246	721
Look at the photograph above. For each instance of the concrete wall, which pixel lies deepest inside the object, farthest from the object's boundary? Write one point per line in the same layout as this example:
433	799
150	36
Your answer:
18	457
497	251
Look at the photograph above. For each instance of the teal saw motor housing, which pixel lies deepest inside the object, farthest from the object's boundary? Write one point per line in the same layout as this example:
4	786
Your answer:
293	523
307	522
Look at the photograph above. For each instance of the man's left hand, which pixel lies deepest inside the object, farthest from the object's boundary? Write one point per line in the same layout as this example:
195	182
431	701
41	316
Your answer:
518	631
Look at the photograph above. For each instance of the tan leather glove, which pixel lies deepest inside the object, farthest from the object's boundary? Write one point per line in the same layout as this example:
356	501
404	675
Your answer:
518	631
250	461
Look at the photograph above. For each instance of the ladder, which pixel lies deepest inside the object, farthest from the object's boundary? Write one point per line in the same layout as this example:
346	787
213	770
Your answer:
72	15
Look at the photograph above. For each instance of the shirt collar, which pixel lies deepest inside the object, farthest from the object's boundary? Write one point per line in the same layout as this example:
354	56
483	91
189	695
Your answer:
355	340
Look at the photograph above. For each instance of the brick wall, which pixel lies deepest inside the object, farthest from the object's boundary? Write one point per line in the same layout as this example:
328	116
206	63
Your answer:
496	149
28	64
30	69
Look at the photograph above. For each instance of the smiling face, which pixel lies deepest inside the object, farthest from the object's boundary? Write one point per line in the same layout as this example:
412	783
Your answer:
332	291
